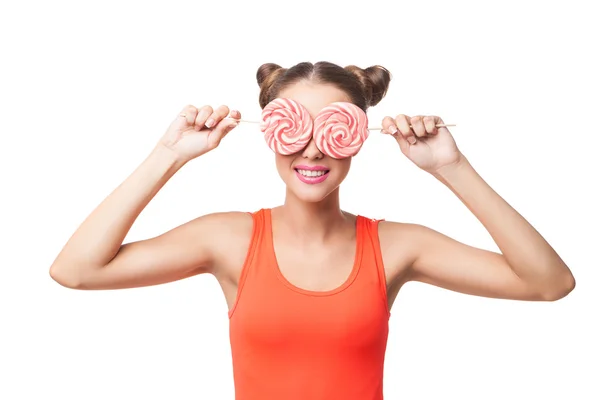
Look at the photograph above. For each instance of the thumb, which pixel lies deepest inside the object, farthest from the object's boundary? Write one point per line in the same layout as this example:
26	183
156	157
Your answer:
402	142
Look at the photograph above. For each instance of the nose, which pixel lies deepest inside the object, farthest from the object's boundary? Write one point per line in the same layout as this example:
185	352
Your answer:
311	151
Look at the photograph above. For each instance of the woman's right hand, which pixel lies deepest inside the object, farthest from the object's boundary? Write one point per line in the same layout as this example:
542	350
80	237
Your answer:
196	131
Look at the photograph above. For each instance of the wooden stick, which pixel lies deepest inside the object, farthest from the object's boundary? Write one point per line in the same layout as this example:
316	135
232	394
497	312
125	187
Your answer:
437	126
371	129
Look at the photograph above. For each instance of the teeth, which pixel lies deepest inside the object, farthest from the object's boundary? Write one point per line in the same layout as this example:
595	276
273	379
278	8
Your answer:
311	173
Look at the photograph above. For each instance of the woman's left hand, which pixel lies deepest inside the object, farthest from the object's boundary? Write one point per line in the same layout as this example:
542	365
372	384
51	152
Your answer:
431	148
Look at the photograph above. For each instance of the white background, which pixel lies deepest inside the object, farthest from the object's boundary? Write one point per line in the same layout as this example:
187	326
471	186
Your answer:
87	88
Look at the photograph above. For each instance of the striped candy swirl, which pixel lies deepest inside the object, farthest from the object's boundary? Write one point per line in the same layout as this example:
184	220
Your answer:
287	126
341	129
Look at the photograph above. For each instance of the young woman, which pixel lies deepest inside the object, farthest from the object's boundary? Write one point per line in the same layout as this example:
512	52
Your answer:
309	286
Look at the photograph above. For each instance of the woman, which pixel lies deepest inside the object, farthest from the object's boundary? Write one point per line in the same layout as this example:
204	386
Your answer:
309	286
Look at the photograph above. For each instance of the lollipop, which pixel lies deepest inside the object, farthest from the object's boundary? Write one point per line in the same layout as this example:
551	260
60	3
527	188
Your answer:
340	129
287	126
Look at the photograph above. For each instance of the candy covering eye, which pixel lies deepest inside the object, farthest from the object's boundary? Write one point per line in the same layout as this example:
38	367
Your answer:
287	126
341	129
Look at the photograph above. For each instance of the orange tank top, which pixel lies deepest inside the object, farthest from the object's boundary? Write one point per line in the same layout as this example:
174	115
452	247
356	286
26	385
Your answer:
289	343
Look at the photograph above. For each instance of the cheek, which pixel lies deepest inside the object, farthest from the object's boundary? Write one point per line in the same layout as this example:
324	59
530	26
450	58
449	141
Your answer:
341	167
344	164
283	163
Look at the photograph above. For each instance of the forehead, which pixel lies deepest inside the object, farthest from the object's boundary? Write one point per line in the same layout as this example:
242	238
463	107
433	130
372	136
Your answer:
314	96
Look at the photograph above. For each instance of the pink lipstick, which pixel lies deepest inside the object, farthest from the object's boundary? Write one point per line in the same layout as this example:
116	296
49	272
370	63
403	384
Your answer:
311	174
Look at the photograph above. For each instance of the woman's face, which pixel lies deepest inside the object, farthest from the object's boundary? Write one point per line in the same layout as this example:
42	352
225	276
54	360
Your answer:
310	174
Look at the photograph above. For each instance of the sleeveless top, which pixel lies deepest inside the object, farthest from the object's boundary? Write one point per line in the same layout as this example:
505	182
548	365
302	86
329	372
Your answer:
289	343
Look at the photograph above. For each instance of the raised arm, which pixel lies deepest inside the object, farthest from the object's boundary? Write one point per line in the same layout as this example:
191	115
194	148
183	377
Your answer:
527	267
95	256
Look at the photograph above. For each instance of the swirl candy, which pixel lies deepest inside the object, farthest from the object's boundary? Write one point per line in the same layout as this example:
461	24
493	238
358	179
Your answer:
287	126
341	129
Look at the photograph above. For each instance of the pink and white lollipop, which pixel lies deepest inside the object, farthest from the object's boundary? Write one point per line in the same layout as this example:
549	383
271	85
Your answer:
341	129
287	126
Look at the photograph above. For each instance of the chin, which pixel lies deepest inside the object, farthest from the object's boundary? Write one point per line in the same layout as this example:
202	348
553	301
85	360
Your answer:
310	196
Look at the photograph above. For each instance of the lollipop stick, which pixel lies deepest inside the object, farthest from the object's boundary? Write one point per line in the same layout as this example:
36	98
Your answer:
437	126
371	129
243	120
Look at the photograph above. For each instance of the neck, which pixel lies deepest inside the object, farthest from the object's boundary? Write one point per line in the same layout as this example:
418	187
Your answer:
309	221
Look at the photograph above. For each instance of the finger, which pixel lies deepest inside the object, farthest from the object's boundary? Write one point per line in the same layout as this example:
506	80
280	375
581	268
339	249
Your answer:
203	114
215	118
429	122
439	121
402	142
418	126
235	114
403	124
189	113
389	126
220	131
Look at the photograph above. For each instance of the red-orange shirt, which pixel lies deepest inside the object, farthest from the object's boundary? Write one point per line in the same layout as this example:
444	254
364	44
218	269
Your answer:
289	343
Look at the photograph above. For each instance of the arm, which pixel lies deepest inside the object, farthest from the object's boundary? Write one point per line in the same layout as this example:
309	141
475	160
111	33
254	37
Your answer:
95	257
528	268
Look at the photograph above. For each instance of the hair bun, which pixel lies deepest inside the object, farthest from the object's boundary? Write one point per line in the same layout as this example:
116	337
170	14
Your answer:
266	75
375	81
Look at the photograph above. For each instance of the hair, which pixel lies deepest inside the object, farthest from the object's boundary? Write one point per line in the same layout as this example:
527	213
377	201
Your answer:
365	87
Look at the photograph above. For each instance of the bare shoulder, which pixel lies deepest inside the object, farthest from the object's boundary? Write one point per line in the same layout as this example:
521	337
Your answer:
228	230
195	247
226	223
231	234
212	242
391	230
398	247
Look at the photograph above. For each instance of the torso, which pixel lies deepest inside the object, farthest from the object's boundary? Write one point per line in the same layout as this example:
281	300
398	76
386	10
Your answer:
310	267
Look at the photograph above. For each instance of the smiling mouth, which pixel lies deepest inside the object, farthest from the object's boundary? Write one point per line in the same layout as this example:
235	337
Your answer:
311	174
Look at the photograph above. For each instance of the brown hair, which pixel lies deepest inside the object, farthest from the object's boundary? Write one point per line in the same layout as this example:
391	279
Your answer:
365	87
